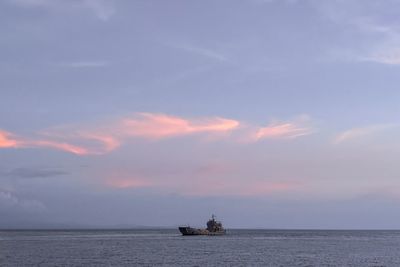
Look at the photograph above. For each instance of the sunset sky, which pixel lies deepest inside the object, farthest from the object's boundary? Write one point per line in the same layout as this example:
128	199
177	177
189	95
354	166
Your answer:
267	113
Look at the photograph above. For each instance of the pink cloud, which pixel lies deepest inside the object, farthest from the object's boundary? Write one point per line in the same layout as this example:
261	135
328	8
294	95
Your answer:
122	183
222	187
103	138
202	185
97	140
285	130
212	179
297	127
109	136
156	126
56	145
7	140
107	142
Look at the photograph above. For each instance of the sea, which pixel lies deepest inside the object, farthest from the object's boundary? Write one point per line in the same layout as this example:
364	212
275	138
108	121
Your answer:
166	247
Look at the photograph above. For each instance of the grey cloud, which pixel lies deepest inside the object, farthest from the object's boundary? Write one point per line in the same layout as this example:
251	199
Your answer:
33	173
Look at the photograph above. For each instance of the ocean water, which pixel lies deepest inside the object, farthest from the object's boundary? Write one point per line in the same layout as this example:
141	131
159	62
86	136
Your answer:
160	247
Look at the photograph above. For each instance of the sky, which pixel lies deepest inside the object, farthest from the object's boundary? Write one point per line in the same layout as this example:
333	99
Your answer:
267	113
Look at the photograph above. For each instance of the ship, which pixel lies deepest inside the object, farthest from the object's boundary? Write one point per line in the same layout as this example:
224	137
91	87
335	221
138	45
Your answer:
213	228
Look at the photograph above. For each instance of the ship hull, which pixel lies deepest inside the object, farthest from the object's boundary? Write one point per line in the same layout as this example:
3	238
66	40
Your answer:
195	231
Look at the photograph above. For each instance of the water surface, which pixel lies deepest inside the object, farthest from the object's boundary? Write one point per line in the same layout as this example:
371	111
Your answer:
166	247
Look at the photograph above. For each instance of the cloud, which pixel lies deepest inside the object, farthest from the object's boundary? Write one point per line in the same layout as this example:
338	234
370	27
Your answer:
384	55
34	173
123	183
86	140
108	136
85	64
29	3
202	187
216	168
57	145
104	137
283	130
9	200
357	133
156	126
288	2
240	188
373	23
199	51
102	9
217	181
386	49
8	140
108	142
